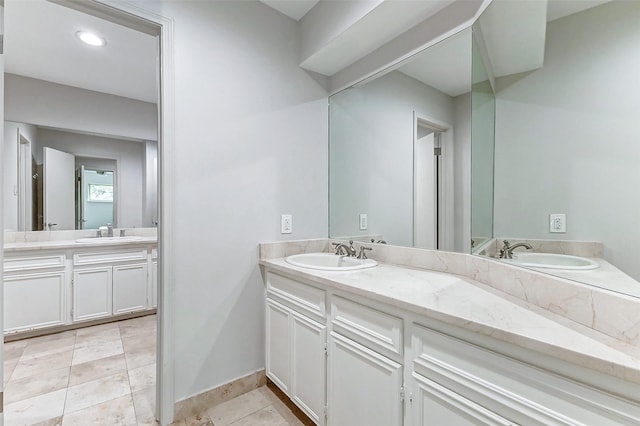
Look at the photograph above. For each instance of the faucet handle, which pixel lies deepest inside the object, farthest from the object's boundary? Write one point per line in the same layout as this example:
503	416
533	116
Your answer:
362	254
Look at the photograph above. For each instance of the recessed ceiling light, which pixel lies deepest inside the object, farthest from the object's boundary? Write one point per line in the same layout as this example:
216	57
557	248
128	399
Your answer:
91	39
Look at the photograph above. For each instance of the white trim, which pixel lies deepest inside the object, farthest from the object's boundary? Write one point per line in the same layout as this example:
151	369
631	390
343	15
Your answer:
446	231
114	10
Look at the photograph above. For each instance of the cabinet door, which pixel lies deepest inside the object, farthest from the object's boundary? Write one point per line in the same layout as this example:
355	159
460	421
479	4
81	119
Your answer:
308	366
277	341
91	293
364	387
129	288
435	405
154	284
33	301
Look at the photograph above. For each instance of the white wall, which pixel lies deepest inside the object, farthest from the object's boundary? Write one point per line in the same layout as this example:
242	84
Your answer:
251	144
567	136
130	159
372	154
10	170
42	103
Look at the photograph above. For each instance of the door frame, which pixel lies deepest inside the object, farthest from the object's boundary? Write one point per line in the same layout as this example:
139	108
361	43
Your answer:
445	179
133	16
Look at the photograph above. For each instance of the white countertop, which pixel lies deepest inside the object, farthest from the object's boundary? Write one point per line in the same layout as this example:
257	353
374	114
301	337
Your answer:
473	306
70	244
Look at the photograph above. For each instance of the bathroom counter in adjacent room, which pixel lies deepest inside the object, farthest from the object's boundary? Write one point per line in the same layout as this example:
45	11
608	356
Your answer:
475	307
10	247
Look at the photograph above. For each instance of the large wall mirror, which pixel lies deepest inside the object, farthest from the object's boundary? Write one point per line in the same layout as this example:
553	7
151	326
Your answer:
533	117
399	152
566	135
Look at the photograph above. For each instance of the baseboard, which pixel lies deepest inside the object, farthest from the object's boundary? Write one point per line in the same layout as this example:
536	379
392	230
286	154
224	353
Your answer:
198	403
59	328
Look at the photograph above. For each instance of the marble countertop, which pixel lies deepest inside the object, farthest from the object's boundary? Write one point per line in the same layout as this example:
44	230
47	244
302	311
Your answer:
476	307
70	244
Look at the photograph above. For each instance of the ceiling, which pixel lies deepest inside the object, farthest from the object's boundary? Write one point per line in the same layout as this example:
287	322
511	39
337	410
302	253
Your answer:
40	42
295	9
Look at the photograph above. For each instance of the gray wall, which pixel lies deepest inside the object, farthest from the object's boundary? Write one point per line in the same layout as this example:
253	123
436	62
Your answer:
250	144
42	103
567	136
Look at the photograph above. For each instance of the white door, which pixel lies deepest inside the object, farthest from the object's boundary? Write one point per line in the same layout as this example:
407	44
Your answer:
59	189
364	387
426	206
129	288
308	366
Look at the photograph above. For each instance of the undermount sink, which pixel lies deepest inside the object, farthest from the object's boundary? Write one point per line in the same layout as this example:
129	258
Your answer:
329	262
552	261
107	240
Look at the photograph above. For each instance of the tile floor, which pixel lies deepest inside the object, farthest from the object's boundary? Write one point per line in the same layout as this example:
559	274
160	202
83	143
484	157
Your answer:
105	375
101	375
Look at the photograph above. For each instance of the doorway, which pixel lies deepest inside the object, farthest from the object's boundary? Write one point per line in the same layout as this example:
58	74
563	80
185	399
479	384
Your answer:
431	152
161	28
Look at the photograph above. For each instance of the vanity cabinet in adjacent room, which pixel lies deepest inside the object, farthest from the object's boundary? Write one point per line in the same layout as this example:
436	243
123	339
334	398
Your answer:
296	343
34	292
109	283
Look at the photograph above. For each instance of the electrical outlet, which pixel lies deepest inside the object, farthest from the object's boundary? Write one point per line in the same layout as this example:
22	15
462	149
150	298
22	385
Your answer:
558	223
286	224
363	221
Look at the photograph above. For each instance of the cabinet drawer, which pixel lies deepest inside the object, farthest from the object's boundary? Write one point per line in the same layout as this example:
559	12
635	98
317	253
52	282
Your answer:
12	264
520	392
108	256
374	329
303	298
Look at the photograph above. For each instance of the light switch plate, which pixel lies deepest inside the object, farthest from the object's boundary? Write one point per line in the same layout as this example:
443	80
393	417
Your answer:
286	224
558	223
363	221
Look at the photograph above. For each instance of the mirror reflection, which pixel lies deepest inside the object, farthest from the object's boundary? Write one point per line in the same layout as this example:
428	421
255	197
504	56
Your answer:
399	146
60	179
566	138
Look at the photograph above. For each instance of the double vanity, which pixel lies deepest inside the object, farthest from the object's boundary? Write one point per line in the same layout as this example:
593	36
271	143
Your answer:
421	337
62	279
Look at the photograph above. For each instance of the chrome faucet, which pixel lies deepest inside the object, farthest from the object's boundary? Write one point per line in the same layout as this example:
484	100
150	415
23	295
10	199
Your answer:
109	230
362	254
507	250
345	250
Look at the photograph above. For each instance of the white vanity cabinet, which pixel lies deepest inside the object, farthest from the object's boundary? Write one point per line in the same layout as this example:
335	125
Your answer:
365	374
296	343
387	366
110	282
455	382
34	292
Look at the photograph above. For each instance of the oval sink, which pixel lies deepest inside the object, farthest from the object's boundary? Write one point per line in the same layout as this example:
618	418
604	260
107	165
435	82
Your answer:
107	240
552	261
329	262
